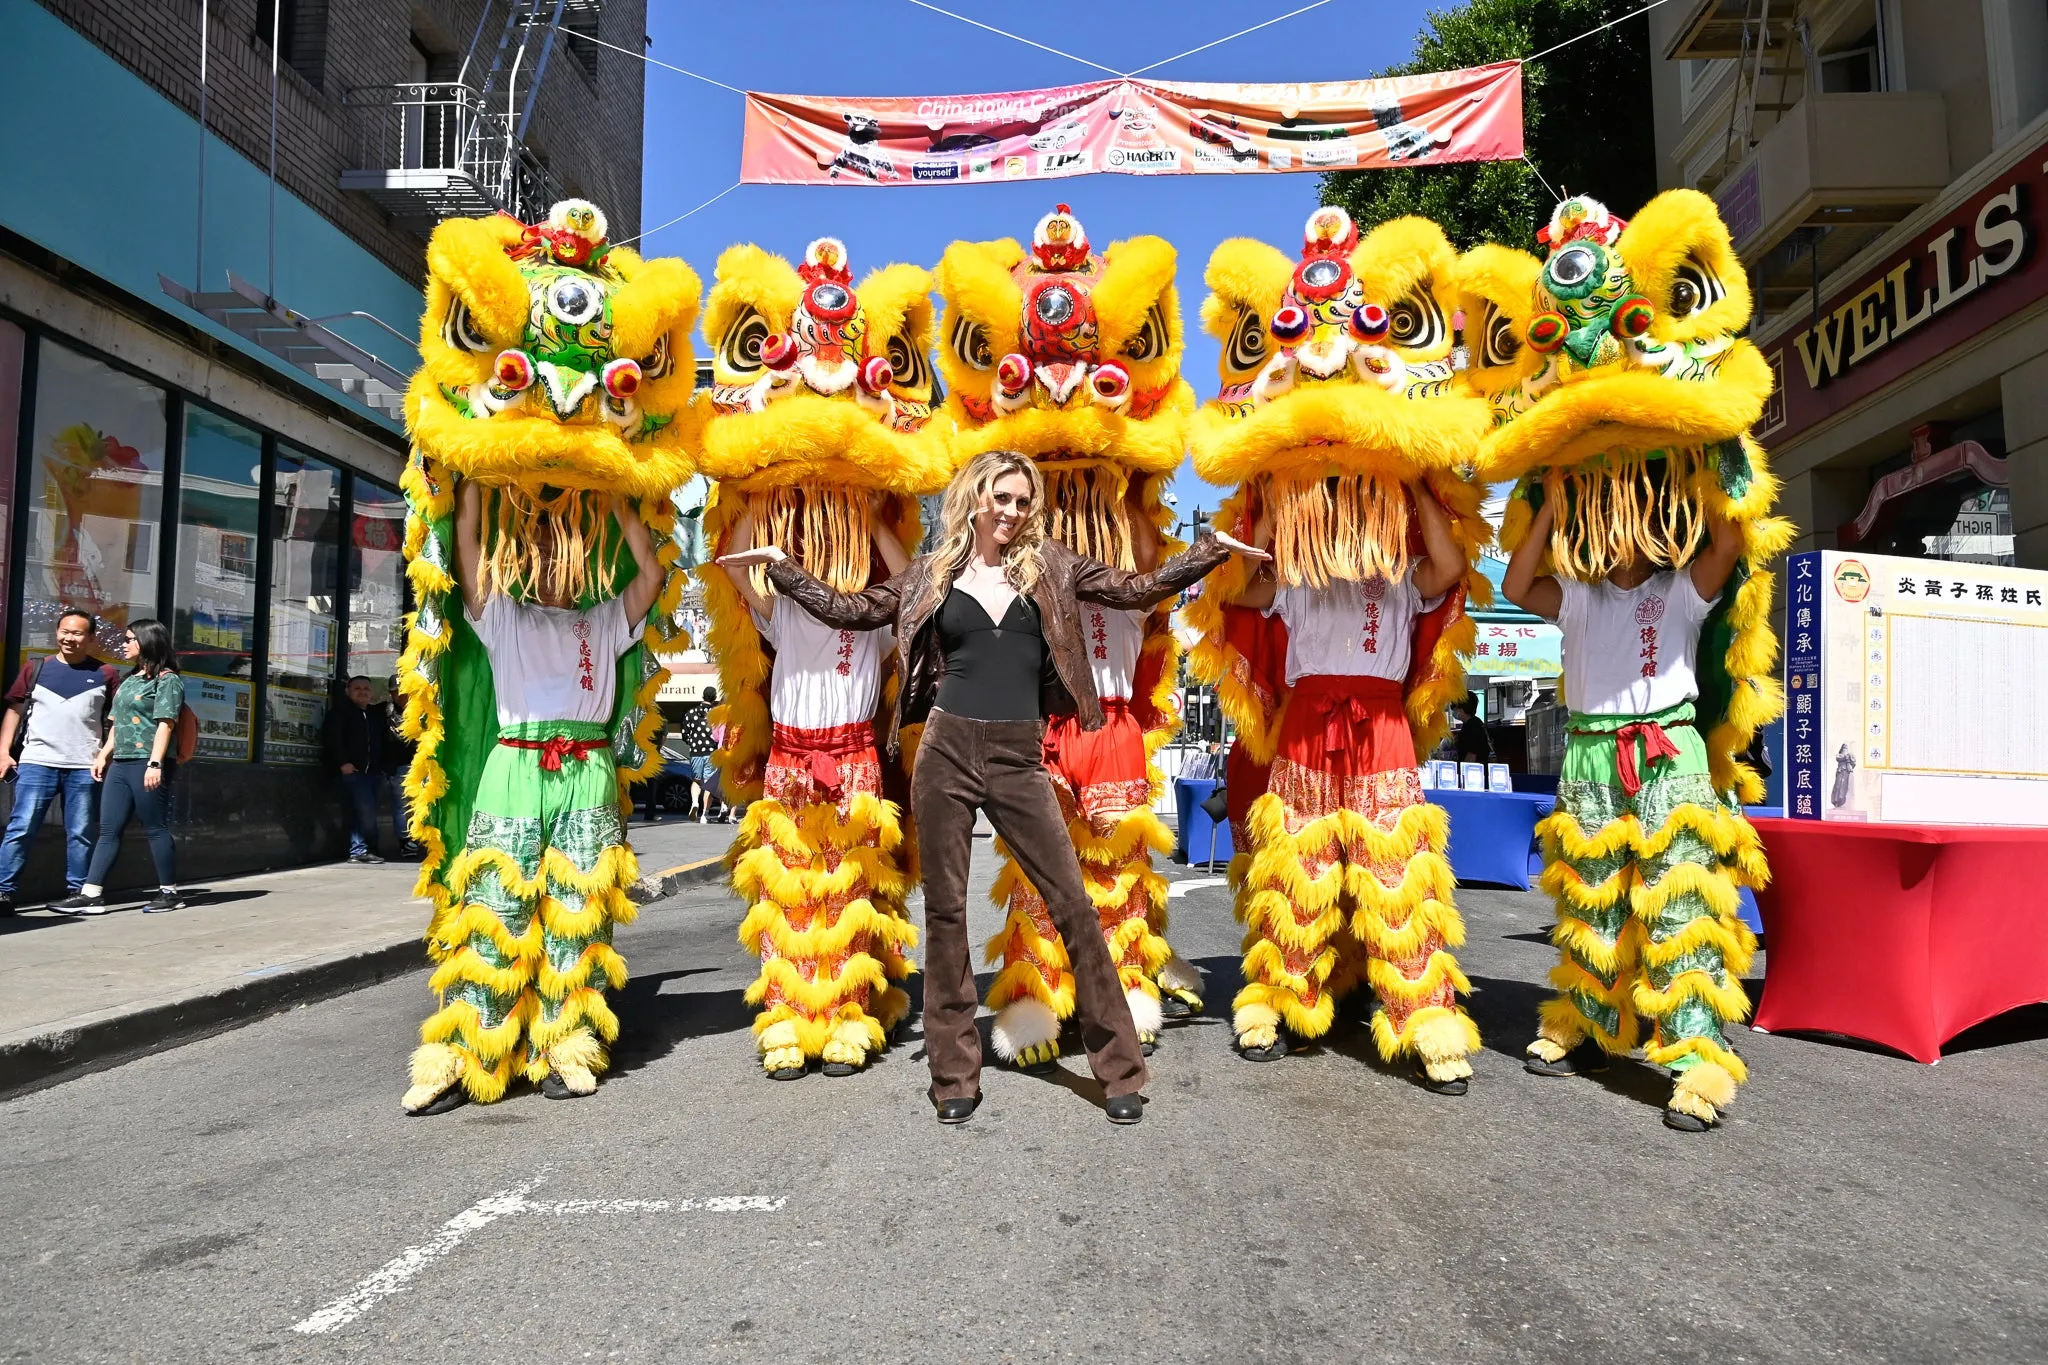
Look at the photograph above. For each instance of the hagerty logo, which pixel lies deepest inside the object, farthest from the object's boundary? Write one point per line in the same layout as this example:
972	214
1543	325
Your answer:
1145	158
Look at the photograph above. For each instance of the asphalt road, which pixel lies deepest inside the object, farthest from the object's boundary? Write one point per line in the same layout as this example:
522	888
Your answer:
202	1204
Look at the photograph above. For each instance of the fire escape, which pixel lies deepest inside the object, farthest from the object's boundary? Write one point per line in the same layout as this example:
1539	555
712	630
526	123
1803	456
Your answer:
429	150
1819	157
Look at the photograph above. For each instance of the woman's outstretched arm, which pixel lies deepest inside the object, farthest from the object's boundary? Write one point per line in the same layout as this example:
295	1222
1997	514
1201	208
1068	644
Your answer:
867	610
1097	582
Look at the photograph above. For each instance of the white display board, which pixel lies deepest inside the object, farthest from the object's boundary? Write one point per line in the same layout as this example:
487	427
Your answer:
1913	691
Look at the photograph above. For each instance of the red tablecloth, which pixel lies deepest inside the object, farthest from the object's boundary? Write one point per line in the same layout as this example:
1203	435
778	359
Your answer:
1903	935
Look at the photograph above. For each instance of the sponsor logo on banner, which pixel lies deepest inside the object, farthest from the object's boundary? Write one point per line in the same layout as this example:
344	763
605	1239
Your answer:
1329	154
1013	167
981	166
1144	158
1206	158
1054	139
1852	580
935	170
1279	158
1065	163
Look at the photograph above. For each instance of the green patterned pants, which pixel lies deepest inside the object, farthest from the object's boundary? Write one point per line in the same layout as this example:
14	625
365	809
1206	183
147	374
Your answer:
1648	919
541	883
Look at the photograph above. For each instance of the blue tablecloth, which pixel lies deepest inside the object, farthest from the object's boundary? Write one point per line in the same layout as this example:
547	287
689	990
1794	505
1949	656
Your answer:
1192	842
1492	834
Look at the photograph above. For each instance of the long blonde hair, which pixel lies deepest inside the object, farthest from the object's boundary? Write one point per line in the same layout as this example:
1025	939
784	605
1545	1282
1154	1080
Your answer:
971	488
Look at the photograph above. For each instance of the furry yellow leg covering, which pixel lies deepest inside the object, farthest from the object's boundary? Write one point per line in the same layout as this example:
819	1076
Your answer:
1290	902
825	889
1401	886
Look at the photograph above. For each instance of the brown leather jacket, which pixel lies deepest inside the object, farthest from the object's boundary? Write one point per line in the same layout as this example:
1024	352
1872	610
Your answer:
1065	580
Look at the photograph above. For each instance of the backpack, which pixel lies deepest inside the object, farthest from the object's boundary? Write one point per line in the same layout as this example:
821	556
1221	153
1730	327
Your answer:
185	735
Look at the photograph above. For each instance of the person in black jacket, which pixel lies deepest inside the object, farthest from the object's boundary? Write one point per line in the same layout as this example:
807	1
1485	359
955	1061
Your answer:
361	749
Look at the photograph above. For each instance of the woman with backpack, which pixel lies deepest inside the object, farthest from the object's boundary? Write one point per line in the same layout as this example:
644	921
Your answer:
136	764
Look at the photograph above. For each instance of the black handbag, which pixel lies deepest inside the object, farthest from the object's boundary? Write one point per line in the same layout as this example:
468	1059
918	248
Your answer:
1216	805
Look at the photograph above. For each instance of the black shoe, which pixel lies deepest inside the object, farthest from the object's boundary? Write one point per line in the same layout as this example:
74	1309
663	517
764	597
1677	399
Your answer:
1266	1054
80	904
1456	1086
787	1073
364	858
1147	1046
1685	1123
1125	1108
162	901
1173	1007
840	1069
555	1088
956	1110
454	1097
1582	1060
6	907
1042	1069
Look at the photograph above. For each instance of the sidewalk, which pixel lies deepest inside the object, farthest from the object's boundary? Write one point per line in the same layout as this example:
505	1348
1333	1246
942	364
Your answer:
80	994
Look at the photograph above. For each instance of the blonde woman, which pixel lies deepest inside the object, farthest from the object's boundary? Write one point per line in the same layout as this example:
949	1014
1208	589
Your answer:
989	644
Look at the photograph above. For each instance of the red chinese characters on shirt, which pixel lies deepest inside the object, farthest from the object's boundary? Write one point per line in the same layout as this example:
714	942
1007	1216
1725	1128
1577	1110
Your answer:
844	668
1098	631
586	668
1374	590
1649	612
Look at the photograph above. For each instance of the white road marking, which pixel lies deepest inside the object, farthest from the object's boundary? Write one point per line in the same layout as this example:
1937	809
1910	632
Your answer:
396	1274
1175	890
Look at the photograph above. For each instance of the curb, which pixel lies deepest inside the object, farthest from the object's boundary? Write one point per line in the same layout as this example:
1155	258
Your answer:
36	1063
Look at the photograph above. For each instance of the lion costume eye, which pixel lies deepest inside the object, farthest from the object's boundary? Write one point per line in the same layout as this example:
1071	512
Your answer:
1247	346
1502	343
1416	323
1694	290
739	350
1150	342
461	332
913	372
970	343
658	362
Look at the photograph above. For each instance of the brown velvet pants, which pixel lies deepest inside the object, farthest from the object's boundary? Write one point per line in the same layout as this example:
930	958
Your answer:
997	766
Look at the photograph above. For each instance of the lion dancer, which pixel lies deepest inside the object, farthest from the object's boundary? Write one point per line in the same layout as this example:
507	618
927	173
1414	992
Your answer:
1640	523
1339	419
816	432
530	668
1088	384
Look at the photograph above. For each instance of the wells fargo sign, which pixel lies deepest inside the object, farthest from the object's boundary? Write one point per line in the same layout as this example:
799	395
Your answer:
1978	264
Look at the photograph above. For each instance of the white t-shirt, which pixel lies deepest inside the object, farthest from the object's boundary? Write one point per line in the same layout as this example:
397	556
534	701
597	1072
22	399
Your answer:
823	676
1630	651
1350	629
1114	639
554	663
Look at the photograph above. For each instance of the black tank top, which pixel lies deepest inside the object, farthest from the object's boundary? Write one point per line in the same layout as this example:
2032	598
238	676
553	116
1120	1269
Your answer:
993	668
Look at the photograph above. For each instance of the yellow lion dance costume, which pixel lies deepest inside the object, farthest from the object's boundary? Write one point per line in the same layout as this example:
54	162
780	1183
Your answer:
1338	418
1073	358
556	370
818	432
1622	394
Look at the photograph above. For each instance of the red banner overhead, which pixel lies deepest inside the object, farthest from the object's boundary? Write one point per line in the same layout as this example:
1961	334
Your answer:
1135	128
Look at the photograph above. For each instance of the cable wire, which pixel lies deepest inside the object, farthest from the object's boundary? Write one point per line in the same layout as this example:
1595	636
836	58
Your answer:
1591	31
1220	41
922	4
679	217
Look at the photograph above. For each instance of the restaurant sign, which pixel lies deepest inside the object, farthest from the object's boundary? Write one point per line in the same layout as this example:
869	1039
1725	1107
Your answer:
1977	265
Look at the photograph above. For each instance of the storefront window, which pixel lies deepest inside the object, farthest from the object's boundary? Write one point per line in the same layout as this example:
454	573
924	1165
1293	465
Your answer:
13	342
376	601
214	612
305	580
96	494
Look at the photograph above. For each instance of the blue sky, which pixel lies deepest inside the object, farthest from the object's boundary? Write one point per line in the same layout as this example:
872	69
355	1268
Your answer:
890	47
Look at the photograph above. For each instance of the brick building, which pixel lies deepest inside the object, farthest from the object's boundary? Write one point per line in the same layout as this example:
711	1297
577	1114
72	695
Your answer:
200	366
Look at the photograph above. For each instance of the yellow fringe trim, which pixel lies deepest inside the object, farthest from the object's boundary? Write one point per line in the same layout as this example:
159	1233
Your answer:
817	997
1716	1089
1285	1005
768	922
1440	1036
1388	983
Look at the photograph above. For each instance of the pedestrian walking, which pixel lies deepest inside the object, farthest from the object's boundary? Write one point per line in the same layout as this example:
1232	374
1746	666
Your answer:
1474	744
360	750
989	644
137	763
57	714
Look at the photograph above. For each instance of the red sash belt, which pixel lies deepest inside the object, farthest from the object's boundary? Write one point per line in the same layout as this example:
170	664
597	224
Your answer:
1338	706
1657	748
823	749
556	748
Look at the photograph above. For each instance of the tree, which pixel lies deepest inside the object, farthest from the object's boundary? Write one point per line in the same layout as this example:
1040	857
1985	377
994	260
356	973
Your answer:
1587	121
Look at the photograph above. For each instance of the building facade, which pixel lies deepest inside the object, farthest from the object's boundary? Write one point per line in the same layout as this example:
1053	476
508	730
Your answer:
1883	167
203	339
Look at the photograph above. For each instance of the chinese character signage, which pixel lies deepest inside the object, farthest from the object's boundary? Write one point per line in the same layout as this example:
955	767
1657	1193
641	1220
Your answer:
1911	691
1512	650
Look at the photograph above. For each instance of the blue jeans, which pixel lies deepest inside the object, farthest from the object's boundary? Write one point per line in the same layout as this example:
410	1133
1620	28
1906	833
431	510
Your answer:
35	787
363	790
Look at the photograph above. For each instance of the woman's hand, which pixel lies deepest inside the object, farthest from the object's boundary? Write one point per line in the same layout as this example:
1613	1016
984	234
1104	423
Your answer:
152	778
99	766
1236	546
747	559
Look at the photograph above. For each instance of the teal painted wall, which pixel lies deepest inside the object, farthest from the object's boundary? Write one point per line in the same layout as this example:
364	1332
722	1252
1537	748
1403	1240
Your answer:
99	168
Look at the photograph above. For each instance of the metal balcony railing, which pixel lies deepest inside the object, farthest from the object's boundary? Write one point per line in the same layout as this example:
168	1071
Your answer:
429	150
